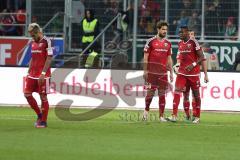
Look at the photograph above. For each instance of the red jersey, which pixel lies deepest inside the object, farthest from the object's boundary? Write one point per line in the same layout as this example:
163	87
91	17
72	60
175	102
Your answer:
158	52
187	54
40	51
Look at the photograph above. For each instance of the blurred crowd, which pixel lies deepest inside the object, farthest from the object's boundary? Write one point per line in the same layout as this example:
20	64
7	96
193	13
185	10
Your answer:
12	16
221	17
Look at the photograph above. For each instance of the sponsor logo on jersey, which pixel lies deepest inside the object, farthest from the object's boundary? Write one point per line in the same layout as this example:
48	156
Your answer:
36	51
40	44
185	51
160	50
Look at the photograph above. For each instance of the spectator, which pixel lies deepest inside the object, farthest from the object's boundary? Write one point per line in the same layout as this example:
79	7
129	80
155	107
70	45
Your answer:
89	31
127	19
183	21
175	9
147	23
112	7
211	56
21	19
236	64
194	23
7	19
230	30
212	25
188	6
149	15
89	28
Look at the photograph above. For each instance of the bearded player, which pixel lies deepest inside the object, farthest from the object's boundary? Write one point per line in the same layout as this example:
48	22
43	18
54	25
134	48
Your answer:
38	78
157	61
190	58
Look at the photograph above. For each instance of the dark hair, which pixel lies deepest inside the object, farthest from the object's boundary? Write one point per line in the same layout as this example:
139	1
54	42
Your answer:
184	27
161	23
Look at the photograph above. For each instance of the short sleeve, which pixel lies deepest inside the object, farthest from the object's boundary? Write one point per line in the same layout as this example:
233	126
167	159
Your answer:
170	50
147	46
196	45
205	56
178	55
49	47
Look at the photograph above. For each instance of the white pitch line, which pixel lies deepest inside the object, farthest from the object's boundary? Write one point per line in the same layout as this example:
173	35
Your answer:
30	117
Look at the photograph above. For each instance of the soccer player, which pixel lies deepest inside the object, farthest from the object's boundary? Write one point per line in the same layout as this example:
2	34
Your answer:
157	61
190	57
186	102
39	73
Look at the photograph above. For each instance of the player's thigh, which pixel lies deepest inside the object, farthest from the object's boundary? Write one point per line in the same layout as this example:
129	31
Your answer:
43	96
194	82
30	85
180	84
44	88
152	80
163	82
150	92
163	85
186	92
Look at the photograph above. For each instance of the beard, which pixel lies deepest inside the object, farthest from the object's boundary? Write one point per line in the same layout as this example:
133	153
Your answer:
161	35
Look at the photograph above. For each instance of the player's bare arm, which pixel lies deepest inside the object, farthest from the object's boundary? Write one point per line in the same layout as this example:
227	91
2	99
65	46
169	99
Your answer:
204	67
145	63
45	68
199	61
29	66
169	65
200	57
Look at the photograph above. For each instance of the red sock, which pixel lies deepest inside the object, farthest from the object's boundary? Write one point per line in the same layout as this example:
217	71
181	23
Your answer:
148	101
198	107
176	101
45	108
194	108
186	105
161	103
33	104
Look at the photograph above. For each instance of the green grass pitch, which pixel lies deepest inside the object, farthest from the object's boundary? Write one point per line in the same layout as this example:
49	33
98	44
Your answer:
118	135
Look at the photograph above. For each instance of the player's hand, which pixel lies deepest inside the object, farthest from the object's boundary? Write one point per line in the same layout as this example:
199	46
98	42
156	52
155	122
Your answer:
176	68
145	76
41	79
171	77
206	80
189	67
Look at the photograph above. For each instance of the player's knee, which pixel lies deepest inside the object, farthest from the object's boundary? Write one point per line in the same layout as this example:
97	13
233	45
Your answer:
43	97
150	93
193	99
185	98
196	93
26	95
186	95
178	90
161	92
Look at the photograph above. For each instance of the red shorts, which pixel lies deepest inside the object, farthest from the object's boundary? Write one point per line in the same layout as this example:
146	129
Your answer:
32	85
183	82
158	81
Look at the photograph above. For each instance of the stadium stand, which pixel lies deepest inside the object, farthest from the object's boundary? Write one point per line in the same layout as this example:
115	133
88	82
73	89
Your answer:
218	21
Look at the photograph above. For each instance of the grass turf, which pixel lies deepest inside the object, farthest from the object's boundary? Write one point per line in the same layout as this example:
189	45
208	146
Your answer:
118	135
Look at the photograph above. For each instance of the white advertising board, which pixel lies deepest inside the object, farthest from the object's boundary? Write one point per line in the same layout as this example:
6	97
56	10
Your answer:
115	89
